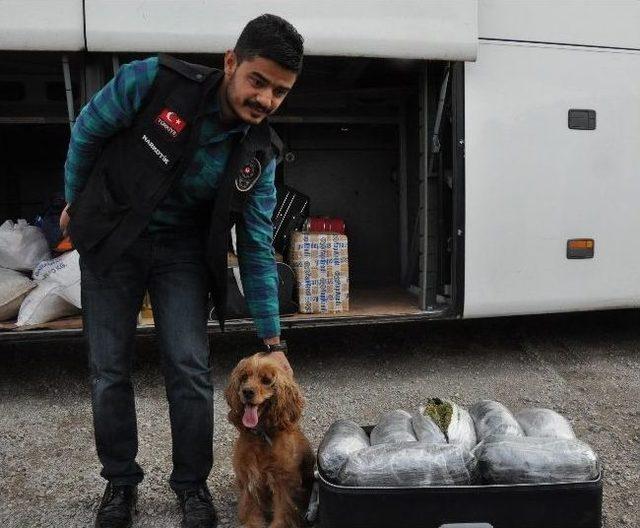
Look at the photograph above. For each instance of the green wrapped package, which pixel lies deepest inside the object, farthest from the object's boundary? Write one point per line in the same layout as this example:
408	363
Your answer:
454	421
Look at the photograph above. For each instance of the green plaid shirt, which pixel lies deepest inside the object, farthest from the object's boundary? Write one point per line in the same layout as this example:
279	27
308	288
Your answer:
187	205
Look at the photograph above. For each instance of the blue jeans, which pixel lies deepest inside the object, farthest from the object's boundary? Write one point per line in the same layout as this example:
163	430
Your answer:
171	266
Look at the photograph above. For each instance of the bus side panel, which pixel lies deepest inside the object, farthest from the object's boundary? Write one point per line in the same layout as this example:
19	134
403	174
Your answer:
586	22
532	183
46	25
435	29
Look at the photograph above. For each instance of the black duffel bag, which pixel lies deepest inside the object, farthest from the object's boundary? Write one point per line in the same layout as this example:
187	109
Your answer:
237	305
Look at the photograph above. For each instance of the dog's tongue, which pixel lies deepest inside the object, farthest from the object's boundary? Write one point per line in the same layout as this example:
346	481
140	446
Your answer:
250	417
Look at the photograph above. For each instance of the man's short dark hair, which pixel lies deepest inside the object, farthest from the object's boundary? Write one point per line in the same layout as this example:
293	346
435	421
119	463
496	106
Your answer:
271	37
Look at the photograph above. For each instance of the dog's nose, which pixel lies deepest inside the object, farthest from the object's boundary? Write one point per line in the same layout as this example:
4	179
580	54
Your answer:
248	394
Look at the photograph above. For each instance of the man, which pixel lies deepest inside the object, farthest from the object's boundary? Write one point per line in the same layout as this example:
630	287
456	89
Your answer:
159	162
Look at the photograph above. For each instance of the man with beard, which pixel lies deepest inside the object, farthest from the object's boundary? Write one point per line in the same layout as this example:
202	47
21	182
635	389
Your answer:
161	162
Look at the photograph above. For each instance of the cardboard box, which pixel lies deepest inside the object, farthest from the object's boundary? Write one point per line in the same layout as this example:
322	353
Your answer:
321	264
145	317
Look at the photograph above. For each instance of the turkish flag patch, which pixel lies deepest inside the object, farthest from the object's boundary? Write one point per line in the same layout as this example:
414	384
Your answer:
170	122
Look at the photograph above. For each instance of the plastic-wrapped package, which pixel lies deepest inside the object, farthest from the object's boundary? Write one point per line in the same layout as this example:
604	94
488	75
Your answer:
492	418
410	464
544	423
506	459
343	438
426	430
454	421
394	426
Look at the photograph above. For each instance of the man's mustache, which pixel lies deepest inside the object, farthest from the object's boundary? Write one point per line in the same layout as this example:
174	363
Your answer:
257	107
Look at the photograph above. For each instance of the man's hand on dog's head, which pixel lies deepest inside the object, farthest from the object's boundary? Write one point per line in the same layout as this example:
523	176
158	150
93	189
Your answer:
281	358
278	355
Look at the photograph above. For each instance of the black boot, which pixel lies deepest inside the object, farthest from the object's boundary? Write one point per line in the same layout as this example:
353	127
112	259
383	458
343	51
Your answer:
117	507
197	508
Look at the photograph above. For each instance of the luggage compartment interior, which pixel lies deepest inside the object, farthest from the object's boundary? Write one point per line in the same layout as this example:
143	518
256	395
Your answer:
357	136
354	136
34	130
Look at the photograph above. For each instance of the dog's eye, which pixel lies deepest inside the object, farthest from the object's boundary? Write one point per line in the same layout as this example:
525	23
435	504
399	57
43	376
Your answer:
244	378
265	380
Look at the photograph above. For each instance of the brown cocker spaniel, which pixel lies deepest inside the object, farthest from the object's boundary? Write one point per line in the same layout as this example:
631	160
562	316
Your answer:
272	458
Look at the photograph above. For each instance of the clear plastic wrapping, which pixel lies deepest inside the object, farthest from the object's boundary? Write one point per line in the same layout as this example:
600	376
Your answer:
544	423
426	430
454	421
505	459
343	438
436	446
409	464
393	427
492	418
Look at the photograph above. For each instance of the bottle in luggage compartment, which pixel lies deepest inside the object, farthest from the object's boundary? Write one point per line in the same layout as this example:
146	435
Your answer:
316	224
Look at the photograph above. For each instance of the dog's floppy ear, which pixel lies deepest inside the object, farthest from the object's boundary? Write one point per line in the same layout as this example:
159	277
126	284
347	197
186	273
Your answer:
231	394
288	402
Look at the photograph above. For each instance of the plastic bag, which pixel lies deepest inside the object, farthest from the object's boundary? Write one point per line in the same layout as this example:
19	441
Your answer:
544	423
454	421
43	304
493	418
49	220
64	271
14	287
426	430
22	246
343	438
409	464
506	459
394	426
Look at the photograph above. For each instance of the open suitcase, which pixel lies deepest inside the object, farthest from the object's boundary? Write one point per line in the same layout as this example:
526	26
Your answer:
571	505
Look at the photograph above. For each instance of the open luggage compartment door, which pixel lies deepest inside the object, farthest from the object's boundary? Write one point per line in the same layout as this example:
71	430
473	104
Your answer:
30	25
416	29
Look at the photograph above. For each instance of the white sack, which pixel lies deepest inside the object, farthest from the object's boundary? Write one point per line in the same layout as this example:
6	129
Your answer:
22	246
64	271
44	304
14	287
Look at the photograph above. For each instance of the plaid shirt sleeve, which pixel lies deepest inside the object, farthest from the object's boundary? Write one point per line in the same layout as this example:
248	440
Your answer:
256	255
110	110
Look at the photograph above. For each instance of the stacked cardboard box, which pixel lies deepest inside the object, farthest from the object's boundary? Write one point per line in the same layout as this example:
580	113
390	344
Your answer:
321	264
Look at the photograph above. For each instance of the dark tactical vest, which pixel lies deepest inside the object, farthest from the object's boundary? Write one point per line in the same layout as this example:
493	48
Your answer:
138	166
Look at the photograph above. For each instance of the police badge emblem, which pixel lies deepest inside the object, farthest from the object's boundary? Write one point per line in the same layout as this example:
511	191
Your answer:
248	175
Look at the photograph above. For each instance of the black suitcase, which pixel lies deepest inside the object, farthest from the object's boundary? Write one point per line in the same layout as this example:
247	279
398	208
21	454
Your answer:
572	505
291	211
237	306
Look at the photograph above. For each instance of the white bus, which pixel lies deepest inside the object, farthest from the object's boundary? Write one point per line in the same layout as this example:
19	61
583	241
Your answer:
484	154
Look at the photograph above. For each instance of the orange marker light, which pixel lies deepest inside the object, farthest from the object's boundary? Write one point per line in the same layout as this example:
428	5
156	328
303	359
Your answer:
580	248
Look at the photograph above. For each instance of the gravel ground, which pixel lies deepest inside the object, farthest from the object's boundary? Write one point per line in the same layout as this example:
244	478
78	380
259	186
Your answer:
586	366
